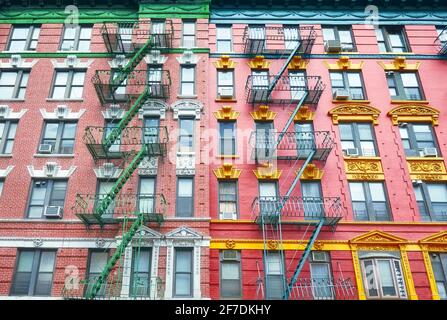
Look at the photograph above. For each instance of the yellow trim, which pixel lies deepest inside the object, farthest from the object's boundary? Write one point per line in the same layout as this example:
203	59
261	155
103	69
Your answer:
344	63
354	112
227	156
226	113
399	64
351	101
297	63
430	274
311	172
431	169
407	273
364	168
409	102
304	114
227	171
357	272
259	63
267	172
225	63
263	114
414	113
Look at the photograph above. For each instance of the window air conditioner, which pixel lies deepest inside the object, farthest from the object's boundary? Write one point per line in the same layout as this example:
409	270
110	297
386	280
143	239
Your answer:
229	255
45	148
319	256
341	94
226	92
354	152
53	212
429	152
332	46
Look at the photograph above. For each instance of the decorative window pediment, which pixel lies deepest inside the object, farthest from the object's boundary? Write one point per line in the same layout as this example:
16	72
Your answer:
364	169
4	172
226	113
354	112
183	233
7	113
427	169
225	63
414	113
188	58
62	112
304	114
187	109
154	57
399	63
312	172
344	63
438	241
153	108
118	62
114	111
298	63
227	171
263	114
376	237
16	61
108	171
72	61
259	63
51	170
147	233
268	172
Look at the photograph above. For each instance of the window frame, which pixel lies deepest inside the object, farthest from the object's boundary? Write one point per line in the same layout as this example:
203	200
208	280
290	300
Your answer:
328	264
18	83
232	86
189	21
182	134
174	286
222	138
132	288
88	273
368	201
182	68
237	260
396	77
267	273
356	138
69	84
4	138
142	195
236	202
409	126
386	38
346	86
336	29
59	134
77	37
29	37
192	178
230	40
48	196
427	202
442	256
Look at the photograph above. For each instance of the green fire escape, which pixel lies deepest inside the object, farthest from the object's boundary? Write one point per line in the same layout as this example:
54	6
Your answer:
271	212
129	86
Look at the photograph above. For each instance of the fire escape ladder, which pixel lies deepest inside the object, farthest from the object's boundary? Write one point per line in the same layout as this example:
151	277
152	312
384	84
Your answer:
303	258
127	238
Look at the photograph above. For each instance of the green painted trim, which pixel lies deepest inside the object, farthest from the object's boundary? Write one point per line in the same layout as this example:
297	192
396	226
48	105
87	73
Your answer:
174	10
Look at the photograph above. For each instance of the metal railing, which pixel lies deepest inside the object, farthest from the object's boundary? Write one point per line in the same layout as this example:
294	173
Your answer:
288	89
278	39
441	42
128	36
323	289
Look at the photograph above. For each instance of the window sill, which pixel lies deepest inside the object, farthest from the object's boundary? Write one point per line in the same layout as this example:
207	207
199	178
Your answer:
17	52
73	100
398	53
425	158
194	96
362	157
350	101
225	100
409	101
9	155
226	156
53	155
343	52
72	51
182	153
13	100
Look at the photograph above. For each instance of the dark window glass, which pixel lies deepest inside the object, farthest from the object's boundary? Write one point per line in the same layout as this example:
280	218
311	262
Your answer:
358	138
369	201
46	193
230	274
61	136
183	276
185	197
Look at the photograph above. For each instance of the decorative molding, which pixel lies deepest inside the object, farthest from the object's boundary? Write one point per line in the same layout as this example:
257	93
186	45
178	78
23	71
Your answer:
311	172
398	64
225	63
186	164
304	114
154	57
119	61
354	112
377	240
430	274
51	170
6	112
414	113
73	62
230	244
344	63
188	58
364	169
187	108
263	114
148	167
259	63
171	10
153	108
113	112
298	63
435	241
4	172
107	170
226	113
431	169
267	172
227	171
62	112
407	274
357	272
17	62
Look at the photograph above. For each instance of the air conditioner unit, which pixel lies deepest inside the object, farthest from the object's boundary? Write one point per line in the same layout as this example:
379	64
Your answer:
108	169
229	255
53	212
354	152
347	47
402	125
319	256
15	60
45	148
226	92
341	94
332	46
357	96
429	152
227	215
417	182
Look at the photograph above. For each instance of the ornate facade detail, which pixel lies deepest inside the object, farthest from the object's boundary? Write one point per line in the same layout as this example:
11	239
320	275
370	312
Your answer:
268	172
304	114
344	63
187	108
378	238
230	244
4	172
354	112
318	245
225	63
273	244
6	112
154	57
436	242
424	169
153	108
398	64
62	112
364	169
259	63
226	113
118	62
100	243
414	113
263	114
148	167
298	63
312	172
37	242
51	169
16	61
186	164
72	61
188	57
114	111
227	171
107	171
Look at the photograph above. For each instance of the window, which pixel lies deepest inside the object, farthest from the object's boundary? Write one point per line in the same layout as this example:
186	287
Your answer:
76	38
291	37
46	193
392	39
442	33
183	273
230	274
298	84
225	84
185	197
305	139
260	79
342	34
158	29
256	35
34	273
189	34
439	264
110	125
186	135
24	38
369	201
151	128
416	138
382	276
68	84
432	201
125	32
358	139
227	132
155	75
404	86
224	39
312	199
13	84
96	262
103	188
274	275
187	86
265	139
61	136
228	200
350	81
7	134
268	197
146	195
141	272
117	92
321	275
